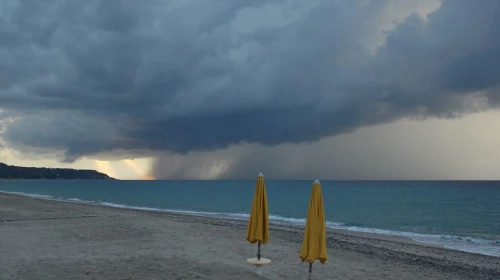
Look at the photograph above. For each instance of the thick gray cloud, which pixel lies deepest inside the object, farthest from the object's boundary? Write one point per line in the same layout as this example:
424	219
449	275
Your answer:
141	77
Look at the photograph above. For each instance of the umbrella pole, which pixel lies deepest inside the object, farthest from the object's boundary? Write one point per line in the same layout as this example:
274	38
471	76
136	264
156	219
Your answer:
310	270
258	251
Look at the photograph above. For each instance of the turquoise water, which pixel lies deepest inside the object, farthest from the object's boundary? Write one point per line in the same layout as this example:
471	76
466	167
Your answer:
459	215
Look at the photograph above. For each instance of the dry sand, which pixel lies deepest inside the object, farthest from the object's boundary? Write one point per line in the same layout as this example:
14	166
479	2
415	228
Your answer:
42	239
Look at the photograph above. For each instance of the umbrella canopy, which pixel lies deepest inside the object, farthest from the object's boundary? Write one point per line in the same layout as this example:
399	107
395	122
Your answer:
314	244
258	223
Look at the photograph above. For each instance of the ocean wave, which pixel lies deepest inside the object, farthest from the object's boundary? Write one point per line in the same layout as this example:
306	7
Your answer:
34	195
274	219
79	200
462	243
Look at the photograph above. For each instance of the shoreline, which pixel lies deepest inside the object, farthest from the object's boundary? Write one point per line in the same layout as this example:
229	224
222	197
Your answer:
63	238
240	222
243	223
272	224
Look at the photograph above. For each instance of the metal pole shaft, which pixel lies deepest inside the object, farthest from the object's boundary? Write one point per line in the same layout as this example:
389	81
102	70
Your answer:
310	267
258	251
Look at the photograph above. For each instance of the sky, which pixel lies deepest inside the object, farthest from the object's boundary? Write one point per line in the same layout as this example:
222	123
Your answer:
190	89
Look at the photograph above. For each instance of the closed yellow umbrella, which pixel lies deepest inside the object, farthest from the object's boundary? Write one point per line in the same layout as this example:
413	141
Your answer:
314	244
258	223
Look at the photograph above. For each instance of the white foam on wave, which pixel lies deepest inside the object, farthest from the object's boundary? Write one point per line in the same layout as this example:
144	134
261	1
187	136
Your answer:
467	244
34	195
48	197
80	200
275	219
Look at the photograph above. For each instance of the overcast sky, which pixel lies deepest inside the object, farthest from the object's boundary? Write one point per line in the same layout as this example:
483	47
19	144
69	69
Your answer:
199	89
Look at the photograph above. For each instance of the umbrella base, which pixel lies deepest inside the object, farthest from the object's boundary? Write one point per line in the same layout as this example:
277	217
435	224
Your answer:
256	262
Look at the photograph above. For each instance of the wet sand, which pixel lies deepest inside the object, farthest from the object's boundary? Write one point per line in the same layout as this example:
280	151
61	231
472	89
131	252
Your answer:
42	239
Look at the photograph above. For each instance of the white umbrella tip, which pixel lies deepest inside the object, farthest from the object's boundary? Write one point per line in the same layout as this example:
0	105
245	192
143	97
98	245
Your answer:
261	175
316	181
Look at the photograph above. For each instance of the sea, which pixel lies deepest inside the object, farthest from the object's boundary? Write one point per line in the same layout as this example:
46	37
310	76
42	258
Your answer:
461	215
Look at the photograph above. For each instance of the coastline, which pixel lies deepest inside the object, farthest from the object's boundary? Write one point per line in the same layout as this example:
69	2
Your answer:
49	237
453	242
212	220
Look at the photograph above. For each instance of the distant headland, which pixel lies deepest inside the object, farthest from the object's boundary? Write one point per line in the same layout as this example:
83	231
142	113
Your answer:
34	173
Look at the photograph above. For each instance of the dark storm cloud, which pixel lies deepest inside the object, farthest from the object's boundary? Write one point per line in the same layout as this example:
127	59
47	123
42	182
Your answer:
93	77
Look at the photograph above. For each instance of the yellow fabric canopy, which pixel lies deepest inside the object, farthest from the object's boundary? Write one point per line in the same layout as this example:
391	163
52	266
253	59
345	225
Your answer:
258	223
314	244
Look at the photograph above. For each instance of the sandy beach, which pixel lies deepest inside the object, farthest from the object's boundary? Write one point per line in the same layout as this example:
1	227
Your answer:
42	239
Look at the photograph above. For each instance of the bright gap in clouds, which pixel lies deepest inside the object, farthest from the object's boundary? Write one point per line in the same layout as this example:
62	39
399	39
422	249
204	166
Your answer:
140	172
127	169
133	166
105	167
